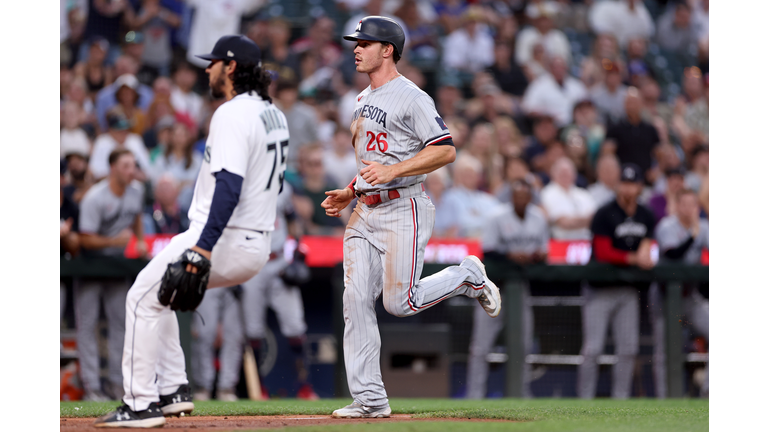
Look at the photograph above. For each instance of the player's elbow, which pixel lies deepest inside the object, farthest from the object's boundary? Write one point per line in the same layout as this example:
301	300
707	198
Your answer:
449	155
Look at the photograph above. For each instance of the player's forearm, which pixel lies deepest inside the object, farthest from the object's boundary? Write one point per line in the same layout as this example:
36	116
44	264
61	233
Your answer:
226	195
138	228
95	241
426	161
71	243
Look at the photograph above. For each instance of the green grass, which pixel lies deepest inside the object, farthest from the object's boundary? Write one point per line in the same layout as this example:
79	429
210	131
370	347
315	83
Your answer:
544	415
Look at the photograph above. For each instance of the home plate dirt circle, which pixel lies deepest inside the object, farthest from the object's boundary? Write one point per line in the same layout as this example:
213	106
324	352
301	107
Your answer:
216	423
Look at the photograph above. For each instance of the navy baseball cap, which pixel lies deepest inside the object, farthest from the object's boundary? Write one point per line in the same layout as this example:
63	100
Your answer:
234	47
631	173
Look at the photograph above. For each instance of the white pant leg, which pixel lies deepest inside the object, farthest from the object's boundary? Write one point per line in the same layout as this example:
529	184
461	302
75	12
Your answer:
170	366
595	315
237	256
205	324
115	292
656	312
231	352
87	301
255	300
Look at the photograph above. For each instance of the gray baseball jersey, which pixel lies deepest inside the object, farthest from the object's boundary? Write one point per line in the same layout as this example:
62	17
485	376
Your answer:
105	214
670	234
506	233
384	243
391	124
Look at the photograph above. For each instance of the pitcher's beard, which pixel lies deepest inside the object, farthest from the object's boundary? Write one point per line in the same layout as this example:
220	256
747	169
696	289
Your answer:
217	88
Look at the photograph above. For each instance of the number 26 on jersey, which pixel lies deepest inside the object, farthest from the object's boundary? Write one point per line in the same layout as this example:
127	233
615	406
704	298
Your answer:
377	141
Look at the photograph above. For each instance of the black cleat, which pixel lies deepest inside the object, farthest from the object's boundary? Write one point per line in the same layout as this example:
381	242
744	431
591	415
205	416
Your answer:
125	417
177	403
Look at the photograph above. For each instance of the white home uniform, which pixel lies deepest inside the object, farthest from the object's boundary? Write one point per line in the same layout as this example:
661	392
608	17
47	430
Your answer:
248	137
384	242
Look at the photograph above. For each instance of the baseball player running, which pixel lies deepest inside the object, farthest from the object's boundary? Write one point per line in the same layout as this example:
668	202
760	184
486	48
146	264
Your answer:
232	216
398	137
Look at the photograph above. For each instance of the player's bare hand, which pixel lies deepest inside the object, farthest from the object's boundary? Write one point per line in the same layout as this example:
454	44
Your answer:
66	227
338	200
375	173
141	248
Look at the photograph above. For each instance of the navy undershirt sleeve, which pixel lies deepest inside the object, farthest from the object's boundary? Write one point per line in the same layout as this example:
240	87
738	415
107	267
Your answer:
226	195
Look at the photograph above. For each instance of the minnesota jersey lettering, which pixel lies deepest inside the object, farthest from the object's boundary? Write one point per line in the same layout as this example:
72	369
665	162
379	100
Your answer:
371	112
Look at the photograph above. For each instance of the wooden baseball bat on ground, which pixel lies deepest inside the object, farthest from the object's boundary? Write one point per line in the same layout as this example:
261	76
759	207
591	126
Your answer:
252	381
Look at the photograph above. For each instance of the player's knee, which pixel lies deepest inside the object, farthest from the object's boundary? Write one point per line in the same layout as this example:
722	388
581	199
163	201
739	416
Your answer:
396	310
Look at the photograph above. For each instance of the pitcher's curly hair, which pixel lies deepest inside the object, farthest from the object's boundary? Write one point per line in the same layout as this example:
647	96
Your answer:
249	77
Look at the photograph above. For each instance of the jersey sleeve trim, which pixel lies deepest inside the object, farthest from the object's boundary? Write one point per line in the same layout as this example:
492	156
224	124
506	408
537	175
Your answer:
437	139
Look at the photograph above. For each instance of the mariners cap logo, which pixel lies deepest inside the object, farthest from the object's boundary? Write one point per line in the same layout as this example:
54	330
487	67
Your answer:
629	172
359	25
230	54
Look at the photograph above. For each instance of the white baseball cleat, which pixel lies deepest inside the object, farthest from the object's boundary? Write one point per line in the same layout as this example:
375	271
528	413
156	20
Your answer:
358	410
490	299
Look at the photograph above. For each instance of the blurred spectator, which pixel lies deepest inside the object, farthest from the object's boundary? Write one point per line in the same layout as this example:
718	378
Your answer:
73	138
489	104
278	56
605	51
110	214
483	146
654	108
212	20
664	204
450	14
161	107
509	138
542	32
80	178
469	48
421	37
554	93
575	148
467	206
165	216
623	231
339	161
436	184
118	136
183	99
569	208
639	68
544	136
93	68
320	40
668	159
310	193
699	169
632	140
301	118
133	47
347	101
159	137
609	94
515	170
518	233
507	72
603	190
156	23
449	100
127	97
107	19
681	237
625	19
106	100
78	95
587	125
691	114
69	215
178	158
675	31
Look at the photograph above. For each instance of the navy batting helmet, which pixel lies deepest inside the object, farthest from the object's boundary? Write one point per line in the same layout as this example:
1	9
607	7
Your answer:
381	29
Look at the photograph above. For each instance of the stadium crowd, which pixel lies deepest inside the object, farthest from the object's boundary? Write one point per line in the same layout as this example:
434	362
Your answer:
556	94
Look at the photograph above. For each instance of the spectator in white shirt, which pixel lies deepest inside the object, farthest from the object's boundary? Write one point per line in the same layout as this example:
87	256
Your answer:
625	19
469	49
609	95
467	207
676	30
603	190
118	136
569	208
183	99
541	31
554	93
72	136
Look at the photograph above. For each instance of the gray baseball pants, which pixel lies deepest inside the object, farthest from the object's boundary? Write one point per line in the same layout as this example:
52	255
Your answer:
218	306
618	307
485	330
696	310
384	254
89	293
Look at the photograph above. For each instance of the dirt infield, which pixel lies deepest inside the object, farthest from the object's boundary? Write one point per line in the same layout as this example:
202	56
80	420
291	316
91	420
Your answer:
215	423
